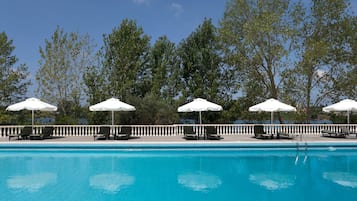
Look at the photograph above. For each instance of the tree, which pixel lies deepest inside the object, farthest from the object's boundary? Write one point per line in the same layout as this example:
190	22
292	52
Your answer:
13	78
325	56
63	61
96	87
164	70
125	59
150	109
257	38
200	63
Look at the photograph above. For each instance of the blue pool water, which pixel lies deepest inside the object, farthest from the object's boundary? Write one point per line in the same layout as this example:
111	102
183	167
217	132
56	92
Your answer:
178	174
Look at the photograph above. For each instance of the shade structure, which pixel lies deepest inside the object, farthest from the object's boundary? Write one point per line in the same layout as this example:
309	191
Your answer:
272	105
199	105
112	104
346	105
32	104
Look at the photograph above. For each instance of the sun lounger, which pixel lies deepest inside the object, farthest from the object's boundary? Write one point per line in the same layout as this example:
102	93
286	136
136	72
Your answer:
124	134
103	134
189	133
25	132
283	135
23	135
46	132
259	132
341	133
211	133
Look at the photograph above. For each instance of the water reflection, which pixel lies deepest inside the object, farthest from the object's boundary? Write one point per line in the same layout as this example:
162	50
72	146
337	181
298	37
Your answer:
345	179
112	182
31	182
273	181
199	181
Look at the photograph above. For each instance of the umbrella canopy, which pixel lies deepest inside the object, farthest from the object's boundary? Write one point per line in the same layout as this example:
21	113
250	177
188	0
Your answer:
346	105
272	105
112	104
199	105
32	104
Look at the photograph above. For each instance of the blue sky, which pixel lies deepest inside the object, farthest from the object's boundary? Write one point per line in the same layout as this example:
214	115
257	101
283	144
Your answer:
29	22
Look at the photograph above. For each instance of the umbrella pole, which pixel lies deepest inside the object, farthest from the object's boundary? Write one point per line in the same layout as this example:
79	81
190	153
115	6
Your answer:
200	117
271	121
33	120
348	117
112	118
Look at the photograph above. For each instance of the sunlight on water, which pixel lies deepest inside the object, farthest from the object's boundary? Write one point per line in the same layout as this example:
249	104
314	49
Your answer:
112	182
176	175
199	181
32	182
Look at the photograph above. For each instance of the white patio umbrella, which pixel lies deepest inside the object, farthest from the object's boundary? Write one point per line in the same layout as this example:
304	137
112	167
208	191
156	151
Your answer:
32	104
199	105
272	105
112	104
346	105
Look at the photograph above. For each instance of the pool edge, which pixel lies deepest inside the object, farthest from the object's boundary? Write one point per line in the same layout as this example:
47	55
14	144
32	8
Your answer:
174	145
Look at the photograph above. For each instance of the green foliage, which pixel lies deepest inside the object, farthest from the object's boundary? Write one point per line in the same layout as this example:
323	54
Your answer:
322	70
125	60
150	110
201	64
257	37
96	87
63	60
13	79
164	70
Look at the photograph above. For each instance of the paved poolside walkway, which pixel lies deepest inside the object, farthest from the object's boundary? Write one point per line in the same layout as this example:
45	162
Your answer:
162	139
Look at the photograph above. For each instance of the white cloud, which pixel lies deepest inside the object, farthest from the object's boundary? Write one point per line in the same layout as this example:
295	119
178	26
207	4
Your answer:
320	73
177	9
141	2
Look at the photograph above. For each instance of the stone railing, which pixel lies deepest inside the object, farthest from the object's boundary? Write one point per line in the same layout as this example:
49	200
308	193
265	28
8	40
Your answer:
177	129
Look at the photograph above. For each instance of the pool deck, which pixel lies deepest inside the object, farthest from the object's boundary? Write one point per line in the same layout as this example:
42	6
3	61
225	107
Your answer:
180	139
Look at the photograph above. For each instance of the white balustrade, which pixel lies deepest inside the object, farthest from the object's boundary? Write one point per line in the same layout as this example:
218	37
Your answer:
177	129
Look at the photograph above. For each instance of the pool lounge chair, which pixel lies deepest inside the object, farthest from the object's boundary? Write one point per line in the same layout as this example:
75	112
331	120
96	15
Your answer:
46	132
211	133
103	134
259	132
124	134
23	135
284	135
341	133
189	133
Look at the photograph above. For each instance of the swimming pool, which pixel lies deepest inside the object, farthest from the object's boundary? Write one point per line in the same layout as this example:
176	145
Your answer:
177	172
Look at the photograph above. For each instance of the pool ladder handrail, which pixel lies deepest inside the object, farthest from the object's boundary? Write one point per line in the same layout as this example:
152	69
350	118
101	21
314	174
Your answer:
298	150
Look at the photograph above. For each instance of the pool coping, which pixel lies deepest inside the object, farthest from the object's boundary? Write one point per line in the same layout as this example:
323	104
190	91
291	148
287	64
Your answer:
176	145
